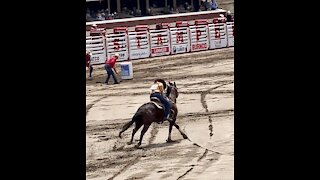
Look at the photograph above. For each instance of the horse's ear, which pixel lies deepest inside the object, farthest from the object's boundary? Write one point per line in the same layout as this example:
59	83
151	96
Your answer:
175	84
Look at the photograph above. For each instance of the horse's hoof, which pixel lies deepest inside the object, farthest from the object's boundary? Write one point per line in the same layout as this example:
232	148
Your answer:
138	146
169	140
184	136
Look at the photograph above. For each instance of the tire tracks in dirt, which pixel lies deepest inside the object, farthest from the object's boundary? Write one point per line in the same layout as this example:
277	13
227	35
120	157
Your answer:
153	133
126	167
205	106
89	106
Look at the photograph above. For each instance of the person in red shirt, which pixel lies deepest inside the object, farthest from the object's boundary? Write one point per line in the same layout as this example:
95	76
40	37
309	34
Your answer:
110	67
88	63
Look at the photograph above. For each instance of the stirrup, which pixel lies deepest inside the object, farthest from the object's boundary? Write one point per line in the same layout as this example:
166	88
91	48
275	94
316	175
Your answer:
168	119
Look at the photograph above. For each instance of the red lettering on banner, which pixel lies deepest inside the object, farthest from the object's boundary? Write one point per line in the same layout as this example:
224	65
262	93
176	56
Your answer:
138	40
199	46
159	50
159	40
116	44
198	33
179	37
217	33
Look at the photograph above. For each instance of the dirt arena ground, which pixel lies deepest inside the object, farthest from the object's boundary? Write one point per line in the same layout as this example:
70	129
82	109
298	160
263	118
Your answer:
226	5
206	114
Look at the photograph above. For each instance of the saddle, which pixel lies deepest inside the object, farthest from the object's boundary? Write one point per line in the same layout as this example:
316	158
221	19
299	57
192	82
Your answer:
156	101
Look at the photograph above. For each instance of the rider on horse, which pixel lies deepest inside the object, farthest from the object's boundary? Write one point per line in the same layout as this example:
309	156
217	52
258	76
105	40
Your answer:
157	90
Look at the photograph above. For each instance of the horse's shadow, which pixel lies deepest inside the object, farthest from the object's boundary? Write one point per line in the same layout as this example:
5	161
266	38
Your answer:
164	144
150	146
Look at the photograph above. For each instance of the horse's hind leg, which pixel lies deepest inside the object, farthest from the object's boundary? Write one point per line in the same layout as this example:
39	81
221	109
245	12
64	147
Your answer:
144	130
138	125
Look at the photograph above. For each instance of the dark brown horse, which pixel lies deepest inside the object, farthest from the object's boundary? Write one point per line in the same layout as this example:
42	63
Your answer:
150	112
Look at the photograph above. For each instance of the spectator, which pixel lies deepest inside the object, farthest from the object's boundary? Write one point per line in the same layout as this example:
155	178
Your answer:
207	5
99	16
229	16
88	17
186	6
149	11
214	5
103	15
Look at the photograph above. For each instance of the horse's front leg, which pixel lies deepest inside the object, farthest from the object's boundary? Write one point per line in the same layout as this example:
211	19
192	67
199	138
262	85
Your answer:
175	125
170	129
182	133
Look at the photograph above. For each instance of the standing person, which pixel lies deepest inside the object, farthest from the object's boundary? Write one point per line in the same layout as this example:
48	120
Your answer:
88	63
214	5
110	67
229	16
157	90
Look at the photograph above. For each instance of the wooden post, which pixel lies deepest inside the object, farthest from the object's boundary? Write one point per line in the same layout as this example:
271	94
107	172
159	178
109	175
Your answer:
147	5
138	4
109	7
192	5
118	6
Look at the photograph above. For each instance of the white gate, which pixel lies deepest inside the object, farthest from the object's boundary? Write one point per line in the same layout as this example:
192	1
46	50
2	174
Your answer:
199	36
180	38
160	41
96	44
230	33
218	34
139	46
117	42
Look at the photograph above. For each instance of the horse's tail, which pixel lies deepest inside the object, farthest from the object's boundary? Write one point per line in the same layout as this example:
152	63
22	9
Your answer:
128	124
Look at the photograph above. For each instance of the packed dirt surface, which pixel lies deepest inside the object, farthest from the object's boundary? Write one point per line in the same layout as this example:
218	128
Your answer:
205	82
227	5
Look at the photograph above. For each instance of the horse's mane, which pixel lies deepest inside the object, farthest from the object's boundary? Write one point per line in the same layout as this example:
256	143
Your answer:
171	85
168	91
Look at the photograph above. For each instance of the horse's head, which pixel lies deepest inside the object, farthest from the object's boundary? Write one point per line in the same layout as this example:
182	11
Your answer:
172	91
